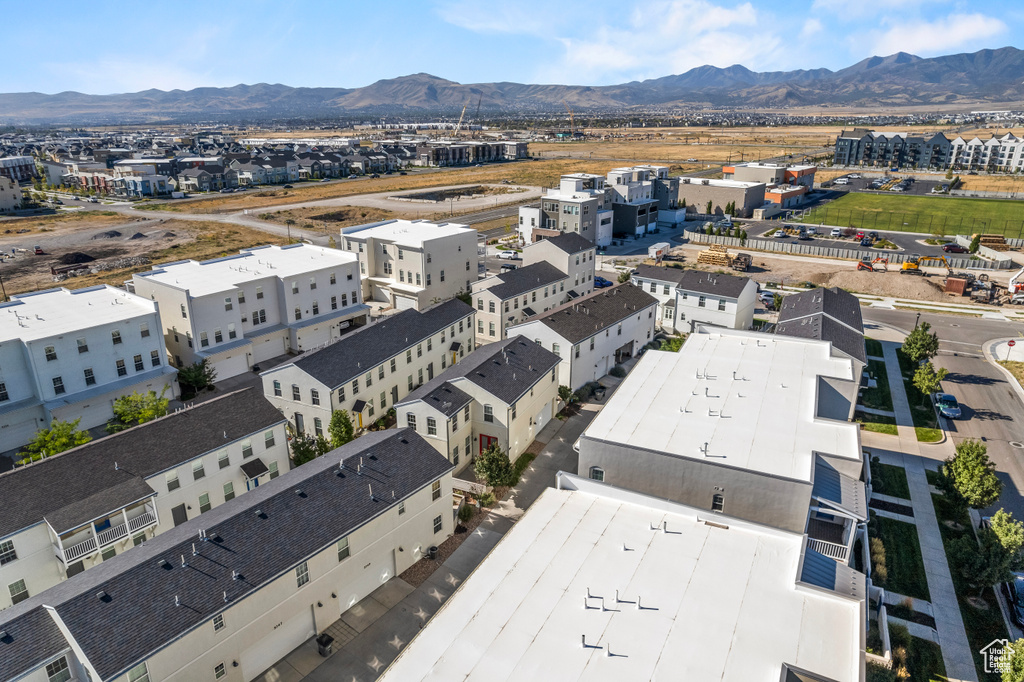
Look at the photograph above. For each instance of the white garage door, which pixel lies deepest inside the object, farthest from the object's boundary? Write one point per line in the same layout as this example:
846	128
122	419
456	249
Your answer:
404	303
380	570
266	347
232	367
277	644
93	412
18	434
542	418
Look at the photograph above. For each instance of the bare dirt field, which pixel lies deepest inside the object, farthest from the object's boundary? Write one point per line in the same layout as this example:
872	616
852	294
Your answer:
331	220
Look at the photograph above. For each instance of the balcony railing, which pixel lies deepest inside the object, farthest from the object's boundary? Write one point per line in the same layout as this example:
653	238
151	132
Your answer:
106	537
829	549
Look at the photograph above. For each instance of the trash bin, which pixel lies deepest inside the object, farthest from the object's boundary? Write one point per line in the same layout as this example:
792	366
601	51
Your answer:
599	393
432	552
325	644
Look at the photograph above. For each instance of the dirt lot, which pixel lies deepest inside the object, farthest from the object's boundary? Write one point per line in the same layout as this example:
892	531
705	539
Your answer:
108	241
331	220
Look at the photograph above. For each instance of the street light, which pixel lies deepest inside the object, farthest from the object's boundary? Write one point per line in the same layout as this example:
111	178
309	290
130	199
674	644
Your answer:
917	321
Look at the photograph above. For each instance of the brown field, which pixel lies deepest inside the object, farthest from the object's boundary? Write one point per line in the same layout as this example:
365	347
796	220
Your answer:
331	219
60	221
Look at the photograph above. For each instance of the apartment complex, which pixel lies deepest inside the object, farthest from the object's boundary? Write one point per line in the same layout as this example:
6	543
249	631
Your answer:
687	298
863	147
508	298
698	193
579	204
112	494
502	393
372	369
228	595
18	168
238	311
70	354
10	195
570	253
413	264
745	424
593	333
599	583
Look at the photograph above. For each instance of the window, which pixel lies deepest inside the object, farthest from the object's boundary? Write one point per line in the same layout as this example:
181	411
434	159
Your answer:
172	481
296	392
302	574
272	469
721	304
197	469
435	490
58	382
455	455
139	364
51	354
654	287
341	394
410	421
455	422
204	340
597	473
259	292
419	350
717	502
490	329
121	369
410	382
431	426
219	671
490	306
401	508
204	503
318	426
428	277
312	283
383	400
408	356
665	290
576	350
58	670
420	377
488	413
277	388
555	348
154	358
137	540
479	326
513	412
393	366
701	301
268	439
223	459
334	278
314	396
183	313
83	346
3	392
316	308
229	491
228	303
7	553
246	448
259	317
480	304
217	336
619	333
139	673
19	592
437	524
295	287
298	313
343	549
241	296
90	378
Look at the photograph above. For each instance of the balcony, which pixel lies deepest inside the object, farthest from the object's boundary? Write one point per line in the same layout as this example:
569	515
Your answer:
74	546
828	538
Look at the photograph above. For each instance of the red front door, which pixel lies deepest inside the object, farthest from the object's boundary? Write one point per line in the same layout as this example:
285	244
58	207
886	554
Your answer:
485	442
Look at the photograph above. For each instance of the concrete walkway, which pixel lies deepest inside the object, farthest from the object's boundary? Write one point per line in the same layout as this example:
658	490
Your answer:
949	625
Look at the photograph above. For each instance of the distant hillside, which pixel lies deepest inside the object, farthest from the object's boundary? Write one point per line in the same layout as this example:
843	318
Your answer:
899	79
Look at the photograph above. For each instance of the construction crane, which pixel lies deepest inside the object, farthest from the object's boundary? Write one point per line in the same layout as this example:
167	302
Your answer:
572	123
912	266
476	118
461	116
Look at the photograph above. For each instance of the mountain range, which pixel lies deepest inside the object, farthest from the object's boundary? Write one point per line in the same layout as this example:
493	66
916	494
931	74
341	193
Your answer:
897	80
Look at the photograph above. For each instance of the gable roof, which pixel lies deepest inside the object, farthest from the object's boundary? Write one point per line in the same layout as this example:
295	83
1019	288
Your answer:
447	399
582	318
525	279
32	639
506	369
832	315
82	484
363	349
660	274
702	282
570	242
141	590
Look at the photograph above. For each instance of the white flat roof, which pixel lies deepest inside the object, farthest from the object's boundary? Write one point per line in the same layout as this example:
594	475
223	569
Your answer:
223	274
60	311
750	397
716	182
718	603
410	233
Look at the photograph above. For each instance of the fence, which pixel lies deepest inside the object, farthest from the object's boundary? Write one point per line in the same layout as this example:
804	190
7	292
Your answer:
909	222
836	252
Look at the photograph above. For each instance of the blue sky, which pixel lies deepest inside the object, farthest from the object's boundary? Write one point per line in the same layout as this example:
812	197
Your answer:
104	47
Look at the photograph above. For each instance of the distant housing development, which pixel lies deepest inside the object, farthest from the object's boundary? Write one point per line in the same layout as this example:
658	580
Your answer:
863	147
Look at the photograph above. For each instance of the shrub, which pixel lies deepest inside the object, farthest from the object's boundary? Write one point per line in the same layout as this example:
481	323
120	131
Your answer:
618	371
494	467
487	499
465	513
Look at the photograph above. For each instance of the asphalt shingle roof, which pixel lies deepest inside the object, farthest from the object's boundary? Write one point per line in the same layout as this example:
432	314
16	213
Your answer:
363	349
660	274
586	316
571	242
528	278
32	639
82	484
447	399
505	369
712	283
825	314
303	513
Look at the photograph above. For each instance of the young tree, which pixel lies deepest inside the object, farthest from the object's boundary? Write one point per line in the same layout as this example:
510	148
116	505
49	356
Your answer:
1010	533
710	205
340	428
332	243
197	376
59	437
624	277
494	467
306	448
980	565
137	408
920	345
927	379
969	477
975	244
1013	661
567	395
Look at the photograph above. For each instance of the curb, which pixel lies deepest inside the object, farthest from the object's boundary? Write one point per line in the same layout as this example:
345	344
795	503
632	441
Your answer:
986	350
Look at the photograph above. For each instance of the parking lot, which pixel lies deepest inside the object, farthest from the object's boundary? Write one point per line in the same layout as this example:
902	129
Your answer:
906	241
886	183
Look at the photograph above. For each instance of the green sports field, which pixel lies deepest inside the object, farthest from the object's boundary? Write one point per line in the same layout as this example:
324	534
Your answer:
926	214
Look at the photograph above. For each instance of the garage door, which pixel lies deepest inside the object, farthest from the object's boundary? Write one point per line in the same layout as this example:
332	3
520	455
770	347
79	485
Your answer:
232	366
277	644
93	412
542	418
266	347
405	303
18	434
380	570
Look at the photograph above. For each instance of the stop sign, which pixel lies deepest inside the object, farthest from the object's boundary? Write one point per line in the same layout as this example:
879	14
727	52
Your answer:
1011	343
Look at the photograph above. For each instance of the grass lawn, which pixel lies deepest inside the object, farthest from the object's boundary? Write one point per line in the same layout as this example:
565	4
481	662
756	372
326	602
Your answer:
982	624
876	423
934	477
889	480
926	423
928	215
1015	368
878	398
904	566
873	347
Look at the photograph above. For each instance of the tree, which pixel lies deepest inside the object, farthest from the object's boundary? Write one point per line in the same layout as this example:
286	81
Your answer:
1013	660
137	408
743	237
949	174
981	564
624	277
1010	533
197	376
494	467
975	244
566	395
306	448
710	205
331	243
969	477
683	205
919	345
340	428
927	379
776	301
59	437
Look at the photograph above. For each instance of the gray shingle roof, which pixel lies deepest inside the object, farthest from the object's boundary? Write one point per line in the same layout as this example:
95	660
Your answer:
570	242
360	351
505	369
447	399
828	315
586	316
292	527
79	485
824	328
713	283
524	279
32	639
674	275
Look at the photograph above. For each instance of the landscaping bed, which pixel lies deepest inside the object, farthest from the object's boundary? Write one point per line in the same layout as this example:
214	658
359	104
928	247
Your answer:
878	423
873	347
889	479
899	566
907	613
879	397
892	507
926	423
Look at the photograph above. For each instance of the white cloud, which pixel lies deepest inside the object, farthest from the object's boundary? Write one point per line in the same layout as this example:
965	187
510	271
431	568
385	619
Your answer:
924	37
531	18
811	27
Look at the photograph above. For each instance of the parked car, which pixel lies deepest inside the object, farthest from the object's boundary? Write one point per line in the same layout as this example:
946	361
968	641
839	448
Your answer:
1014	593
948	406
767	298
601	283
873	235
508	255
953	248
508	267
375	175
861	235
836	232
804	236
289	187
866	241
811	230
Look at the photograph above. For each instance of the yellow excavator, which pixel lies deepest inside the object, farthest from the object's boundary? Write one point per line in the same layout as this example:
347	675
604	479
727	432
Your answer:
913	265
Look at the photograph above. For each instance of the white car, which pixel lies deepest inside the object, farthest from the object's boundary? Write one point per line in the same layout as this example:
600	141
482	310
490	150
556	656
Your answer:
836	232
766	297
811	230
508	255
